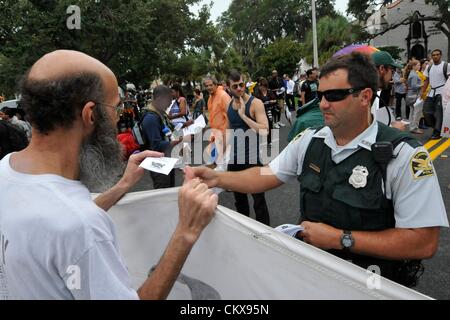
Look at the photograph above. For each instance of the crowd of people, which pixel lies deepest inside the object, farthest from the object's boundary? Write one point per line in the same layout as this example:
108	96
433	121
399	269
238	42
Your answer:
419	87
360	176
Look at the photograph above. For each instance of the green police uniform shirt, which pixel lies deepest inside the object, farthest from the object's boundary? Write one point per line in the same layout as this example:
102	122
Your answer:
411	181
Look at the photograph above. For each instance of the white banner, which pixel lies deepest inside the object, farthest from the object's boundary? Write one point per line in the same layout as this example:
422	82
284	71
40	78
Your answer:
239	258
446	122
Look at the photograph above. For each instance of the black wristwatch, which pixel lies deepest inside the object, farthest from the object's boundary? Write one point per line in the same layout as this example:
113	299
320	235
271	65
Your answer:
347	240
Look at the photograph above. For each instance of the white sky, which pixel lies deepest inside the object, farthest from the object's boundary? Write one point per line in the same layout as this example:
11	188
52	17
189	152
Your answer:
222	5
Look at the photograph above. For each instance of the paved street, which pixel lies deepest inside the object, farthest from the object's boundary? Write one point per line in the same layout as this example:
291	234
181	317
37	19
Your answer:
284	206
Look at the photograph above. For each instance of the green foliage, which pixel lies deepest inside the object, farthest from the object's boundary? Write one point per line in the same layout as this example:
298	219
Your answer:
282	55
258	23
138	39
393	50
358	8
333	33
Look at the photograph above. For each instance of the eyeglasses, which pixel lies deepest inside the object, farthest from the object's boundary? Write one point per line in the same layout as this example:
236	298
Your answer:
119	107
235	86
335	95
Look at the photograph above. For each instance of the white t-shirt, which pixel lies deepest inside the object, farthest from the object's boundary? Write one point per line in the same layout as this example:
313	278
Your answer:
383	115
436	77
55	243
405	185
290	87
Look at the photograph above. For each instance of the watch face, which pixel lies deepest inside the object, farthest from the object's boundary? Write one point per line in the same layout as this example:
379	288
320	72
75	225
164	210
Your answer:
347	242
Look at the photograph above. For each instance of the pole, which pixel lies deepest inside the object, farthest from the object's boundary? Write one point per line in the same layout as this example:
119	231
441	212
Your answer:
314	27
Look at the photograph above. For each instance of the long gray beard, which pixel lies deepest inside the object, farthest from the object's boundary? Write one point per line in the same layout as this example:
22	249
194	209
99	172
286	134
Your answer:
101	164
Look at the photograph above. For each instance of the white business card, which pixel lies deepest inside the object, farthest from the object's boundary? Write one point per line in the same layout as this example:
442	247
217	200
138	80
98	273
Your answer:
160	165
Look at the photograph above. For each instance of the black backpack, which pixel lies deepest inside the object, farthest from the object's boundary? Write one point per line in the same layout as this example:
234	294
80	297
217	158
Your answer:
12	138
138	130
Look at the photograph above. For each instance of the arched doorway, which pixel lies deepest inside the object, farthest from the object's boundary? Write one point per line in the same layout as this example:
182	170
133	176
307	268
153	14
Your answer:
418	51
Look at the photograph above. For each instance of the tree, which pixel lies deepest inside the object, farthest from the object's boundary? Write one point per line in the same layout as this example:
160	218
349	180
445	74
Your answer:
393	50
137	39
282	55
257	23
359	8
333	33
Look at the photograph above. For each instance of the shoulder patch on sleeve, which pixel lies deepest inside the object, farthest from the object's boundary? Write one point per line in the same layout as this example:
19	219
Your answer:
421	165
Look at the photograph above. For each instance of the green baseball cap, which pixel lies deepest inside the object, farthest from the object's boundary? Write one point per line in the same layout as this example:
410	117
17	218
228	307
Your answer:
383	58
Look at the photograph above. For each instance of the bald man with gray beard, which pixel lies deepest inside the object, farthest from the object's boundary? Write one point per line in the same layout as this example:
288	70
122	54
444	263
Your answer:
55	241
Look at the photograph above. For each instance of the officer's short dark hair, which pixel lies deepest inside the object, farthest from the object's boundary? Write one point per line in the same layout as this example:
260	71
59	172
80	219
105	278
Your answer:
56	103
362	73
161	91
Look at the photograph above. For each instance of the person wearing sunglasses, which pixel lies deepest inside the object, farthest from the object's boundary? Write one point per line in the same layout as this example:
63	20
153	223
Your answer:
362	182
247	121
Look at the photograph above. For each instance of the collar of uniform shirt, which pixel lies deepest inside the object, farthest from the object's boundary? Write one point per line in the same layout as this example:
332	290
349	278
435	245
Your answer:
364	140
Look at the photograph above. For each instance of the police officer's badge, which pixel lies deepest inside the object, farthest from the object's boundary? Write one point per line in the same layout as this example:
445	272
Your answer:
358	179
421	165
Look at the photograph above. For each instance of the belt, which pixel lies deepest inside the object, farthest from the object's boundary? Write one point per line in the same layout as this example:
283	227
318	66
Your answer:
434	89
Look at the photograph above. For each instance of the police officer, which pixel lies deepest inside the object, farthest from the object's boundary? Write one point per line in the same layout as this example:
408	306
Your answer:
363	184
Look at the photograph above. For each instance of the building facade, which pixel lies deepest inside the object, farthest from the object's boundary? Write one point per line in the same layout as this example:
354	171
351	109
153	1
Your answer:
418	38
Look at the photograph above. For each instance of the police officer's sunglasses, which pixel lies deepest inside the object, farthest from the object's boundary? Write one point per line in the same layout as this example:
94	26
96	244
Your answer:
335	95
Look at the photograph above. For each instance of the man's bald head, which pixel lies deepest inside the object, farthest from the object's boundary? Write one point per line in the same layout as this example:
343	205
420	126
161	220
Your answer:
63	63
59	85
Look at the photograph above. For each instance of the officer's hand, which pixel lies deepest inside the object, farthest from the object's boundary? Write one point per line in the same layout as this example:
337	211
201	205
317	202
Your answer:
196	205
205	174
133	173
321	235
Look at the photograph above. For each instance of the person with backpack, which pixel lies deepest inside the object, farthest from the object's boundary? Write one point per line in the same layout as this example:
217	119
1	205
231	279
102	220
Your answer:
437	75
157	131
